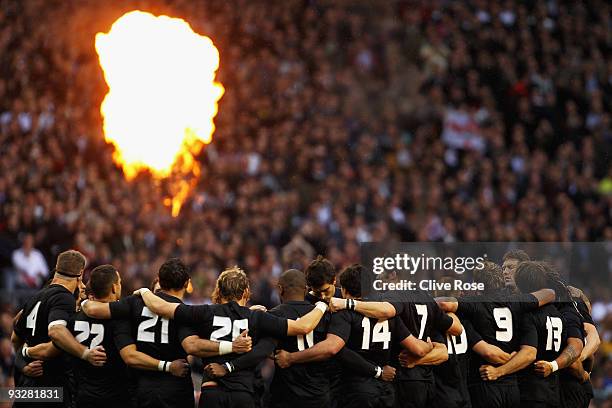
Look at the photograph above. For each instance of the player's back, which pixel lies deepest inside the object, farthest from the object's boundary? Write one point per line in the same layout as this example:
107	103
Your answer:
497	320
159	338
51	305
300	380
225	322
108	382
155	336
451	376
425	320
543	328
367	336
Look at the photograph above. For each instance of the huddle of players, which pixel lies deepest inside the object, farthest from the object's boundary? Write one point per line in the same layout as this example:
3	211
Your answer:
409	352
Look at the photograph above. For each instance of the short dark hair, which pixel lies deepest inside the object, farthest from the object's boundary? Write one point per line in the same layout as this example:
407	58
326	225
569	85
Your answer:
319	272
531	276
350	279
173	274
292	280
517	254
491	276
101	280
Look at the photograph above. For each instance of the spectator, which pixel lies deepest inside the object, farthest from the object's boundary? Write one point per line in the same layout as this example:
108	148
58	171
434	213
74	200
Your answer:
342	122
30	264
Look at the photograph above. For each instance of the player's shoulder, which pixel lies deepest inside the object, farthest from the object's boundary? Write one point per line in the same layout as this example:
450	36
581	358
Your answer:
57	294
352	315
552	310
166	297
54	290
286	310
80	315
233	310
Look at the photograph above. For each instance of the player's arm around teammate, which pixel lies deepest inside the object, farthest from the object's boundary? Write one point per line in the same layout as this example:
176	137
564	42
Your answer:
385	310
303	326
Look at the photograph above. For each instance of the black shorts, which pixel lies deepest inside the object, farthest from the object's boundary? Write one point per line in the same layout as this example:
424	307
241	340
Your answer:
219	397
536	404
573	395
357	392
286	400
87	401
164	397
491	395
414	394
291	401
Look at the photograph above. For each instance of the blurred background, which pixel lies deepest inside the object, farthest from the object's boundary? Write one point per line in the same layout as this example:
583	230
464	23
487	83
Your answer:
342	122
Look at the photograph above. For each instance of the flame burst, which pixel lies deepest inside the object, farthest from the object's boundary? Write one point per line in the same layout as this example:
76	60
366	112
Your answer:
162	98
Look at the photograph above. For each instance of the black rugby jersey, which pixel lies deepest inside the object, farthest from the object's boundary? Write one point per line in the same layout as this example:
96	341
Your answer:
425	320
498	322
108	383
52	305
369	337
225	322
307	380
451	376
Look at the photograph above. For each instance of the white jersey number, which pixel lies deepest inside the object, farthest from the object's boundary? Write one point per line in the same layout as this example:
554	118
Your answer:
503	319
225	327
86	330
380	334
422	311
457	344
31	319
148	336
554	327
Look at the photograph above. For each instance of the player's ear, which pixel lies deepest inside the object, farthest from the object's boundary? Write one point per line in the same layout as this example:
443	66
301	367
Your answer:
189	287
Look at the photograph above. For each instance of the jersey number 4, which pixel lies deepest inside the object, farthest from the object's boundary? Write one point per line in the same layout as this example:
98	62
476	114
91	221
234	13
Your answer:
31	319
148	336
86	330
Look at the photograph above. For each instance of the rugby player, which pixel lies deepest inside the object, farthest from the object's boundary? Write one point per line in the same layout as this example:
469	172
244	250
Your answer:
42	326
496	316
543	332
225	321
370	337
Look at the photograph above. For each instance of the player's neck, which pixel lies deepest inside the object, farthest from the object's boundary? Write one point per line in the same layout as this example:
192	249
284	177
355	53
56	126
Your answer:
293	298
176	293
241	302
69	284
106	299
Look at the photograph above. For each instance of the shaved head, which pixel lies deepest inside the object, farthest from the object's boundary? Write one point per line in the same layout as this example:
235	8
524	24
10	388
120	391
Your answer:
292	279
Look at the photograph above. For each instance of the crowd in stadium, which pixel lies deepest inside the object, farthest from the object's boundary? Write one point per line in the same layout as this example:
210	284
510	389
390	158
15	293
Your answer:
342	122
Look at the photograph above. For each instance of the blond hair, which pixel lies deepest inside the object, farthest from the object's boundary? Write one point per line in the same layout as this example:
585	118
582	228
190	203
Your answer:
230	285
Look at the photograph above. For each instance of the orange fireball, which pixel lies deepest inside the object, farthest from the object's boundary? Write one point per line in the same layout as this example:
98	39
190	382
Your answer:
162	98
